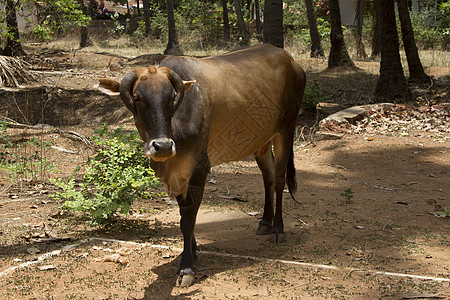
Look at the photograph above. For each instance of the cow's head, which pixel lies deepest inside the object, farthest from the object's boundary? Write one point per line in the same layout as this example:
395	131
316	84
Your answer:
152	95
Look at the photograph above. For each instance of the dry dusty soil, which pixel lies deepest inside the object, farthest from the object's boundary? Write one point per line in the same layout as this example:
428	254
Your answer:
367	225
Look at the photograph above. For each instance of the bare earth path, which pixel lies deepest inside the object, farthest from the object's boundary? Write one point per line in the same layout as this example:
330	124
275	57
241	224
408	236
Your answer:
366	228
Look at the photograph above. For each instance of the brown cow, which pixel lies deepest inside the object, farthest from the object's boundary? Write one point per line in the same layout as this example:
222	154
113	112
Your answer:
193	114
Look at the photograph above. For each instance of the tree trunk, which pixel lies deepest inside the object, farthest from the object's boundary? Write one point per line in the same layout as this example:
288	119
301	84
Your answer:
358	24
273	23
226	22
138	8
13	46
416	72
241	24
391	85
173	47
316	47
376	47
85	39
338	53
258	17
146	10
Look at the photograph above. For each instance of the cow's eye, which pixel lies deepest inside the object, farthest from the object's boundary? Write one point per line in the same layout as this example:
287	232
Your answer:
136	97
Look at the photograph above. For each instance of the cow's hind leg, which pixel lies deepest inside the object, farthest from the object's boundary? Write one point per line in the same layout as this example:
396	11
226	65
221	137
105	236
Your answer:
189	206
284	160
265	161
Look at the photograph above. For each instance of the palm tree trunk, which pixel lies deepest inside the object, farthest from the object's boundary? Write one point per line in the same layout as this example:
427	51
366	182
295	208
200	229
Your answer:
338	53
376	48
316	47
258	17
416	72
146	9
241	24
226	22
173	47
359	18
273	23
391	85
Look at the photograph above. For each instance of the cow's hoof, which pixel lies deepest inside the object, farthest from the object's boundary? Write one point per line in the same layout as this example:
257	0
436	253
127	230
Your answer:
277	238
263	228
185	278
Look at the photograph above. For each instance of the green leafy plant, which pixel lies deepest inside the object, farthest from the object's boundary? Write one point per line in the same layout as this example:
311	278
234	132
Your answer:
43	33
347	195
24	160
313	96
60	15
444	213
139	33
113	178
118	27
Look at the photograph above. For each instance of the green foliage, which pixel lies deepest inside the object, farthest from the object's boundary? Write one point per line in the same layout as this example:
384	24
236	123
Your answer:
302	35
427	36
313	96
23	161
294	15
118	27
444	213
116	175
43	33
60	15
443	19
347	195
139	33
202	17
443	15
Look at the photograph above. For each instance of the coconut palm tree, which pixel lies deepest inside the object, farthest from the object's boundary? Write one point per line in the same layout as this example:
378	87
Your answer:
316	47
146	8
173	47
338	53
245	35
273	23
358	25
226	22
391	84
416	72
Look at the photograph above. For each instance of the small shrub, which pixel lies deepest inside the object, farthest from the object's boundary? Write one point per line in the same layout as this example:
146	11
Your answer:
313	96
43	33
118	27
23	161
114	177
139	33
347	195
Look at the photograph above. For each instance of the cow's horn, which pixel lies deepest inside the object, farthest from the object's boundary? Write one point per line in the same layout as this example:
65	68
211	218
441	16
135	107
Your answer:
178	84
125	89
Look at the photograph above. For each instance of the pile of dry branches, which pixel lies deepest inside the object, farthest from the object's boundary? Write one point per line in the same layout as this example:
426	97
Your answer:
14	72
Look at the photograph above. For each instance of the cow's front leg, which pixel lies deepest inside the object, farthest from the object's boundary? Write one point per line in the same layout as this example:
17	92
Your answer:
189	206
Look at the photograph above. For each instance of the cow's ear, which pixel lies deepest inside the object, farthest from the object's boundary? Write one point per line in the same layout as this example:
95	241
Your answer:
188	85
108	86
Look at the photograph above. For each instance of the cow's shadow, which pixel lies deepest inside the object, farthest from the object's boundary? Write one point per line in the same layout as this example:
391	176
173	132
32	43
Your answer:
210	262
164	286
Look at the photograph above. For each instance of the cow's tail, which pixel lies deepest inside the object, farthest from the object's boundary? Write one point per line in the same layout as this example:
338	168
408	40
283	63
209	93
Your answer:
290	175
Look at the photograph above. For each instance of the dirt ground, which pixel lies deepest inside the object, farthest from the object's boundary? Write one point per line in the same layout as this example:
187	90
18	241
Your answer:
366	226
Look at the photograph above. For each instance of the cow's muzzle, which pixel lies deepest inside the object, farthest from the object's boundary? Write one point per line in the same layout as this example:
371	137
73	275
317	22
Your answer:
160	149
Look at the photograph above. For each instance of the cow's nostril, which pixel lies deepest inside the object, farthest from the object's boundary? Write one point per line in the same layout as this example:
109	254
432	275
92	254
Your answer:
156	146
162	145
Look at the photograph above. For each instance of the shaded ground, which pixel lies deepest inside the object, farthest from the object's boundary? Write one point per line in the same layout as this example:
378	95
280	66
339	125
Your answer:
368	204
